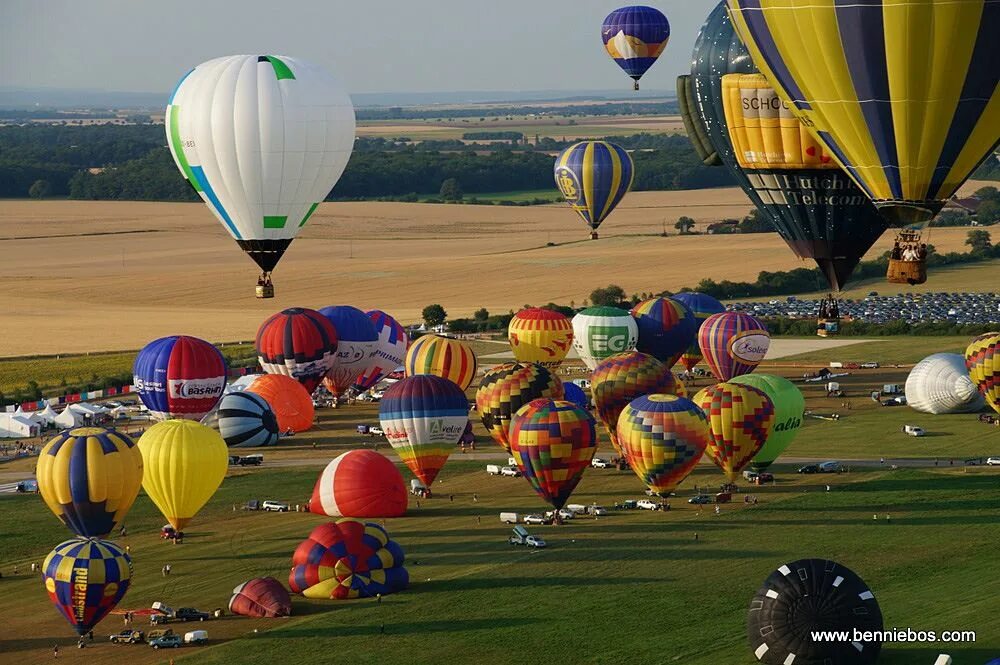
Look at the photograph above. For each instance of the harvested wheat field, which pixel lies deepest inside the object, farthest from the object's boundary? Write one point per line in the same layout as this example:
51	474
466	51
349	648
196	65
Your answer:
88	276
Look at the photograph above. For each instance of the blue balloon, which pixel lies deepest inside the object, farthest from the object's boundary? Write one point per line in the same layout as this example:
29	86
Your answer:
351	323
179	377
575	394
635	37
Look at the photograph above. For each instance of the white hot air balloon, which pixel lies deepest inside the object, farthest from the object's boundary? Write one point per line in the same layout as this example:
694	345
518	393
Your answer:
262	139
940	384
601	332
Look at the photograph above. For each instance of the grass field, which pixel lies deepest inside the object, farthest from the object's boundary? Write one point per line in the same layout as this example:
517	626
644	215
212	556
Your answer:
886	350
550	195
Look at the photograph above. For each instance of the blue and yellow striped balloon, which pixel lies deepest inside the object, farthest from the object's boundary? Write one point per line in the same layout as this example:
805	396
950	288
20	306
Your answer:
594	176
906	95
85	579
89	477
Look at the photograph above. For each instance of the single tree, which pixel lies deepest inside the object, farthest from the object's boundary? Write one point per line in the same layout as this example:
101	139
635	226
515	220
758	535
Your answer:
988	193
451	190
609	296
434	315
979	240
40	189
988	213
481	314
684	225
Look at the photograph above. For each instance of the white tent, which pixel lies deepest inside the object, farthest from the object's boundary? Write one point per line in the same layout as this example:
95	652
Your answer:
14	426
89	409
47	416
72	416
241	383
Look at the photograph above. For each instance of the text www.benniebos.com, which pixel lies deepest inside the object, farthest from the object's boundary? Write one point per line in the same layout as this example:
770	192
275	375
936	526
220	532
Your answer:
893	635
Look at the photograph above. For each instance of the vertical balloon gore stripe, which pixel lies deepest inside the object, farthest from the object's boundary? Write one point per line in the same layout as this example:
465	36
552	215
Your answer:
308	214
209	194
177	147
281	70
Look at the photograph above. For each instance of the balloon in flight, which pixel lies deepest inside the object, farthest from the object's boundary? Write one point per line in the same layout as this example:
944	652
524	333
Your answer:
634	37
593	177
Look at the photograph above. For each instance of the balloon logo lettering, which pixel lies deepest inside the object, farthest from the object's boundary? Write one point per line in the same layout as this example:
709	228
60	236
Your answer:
568	184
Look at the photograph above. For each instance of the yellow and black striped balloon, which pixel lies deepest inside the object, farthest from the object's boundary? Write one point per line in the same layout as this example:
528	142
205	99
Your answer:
506	388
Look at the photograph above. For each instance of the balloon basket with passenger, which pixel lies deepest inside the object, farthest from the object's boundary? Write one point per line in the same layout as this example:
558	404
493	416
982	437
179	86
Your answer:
908	259
265	288
828	323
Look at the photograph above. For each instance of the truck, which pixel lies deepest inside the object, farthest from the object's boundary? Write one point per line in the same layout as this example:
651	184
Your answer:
184	614
577	508
196	637
520	536
913	430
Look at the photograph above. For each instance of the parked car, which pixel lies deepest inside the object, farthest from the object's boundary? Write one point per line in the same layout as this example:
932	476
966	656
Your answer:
600	463
809	468
511	471
190	614
563	514
723	497
537	519
869	365
534	541
253	504
251	460
600	511
700	500
915	431
274	506
646	504
168	533
493	469
993	461
166	642
764	477
829	467
128	637
375	430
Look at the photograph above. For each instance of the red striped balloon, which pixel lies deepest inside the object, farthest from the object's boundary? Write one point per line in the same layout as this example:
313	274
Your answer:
733	344
360	483
299	343
442	356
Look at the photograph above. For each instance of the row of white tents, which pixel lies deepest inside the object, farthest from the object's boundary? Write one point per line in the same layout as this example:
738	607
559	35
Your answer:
26	424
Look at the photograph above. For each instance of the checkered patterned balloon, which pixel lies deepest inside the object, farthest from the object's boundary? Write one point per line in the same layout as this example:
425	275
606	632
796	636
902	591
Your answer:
663	437
983	360
553	443
620	379
85	579
506	388
740	419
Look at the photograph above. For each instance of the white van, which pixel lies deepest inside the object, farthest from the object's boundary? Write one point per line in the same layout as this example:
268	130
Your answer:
417	488
913	430
196	637
492	469
577	508
509	518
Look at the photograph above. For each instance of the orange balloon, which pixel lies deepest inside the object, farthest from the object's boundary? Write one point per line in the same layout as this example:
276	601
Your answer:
290	402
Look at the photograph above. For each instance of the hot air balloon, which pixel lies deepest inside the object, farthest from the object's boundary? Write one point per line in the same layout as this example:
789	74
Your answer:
185	463
702	306
442	356
423	417
634	37
360	483
86	578
982	358
262	139
575	394
553	443
666	328
663	437
291	404
348	559
261	597
89	477
789	411
807	596
601	332
505	389
179	377
246	420
694	123
593	177
813	204
733	343
540	336
620	379
357	343
299	343
909	126
940	383
390	349
740	419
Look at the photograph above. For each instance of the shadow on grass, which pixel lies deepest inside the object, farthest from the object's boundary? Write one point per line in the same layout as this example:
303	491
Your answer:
480	583
917	656
406	627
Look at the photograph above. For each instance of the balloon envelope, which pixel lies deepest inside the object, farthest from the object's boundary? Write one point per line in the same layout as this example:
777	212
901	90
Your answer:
262	139
359	483
666	328
357	343
442	356
505	389
185	463
940	383
740	418
179	377
593	177
789	411
423	418
634	37
261	597
620	379
733	344
246	420
85	579
813	595
292	405
601	332
574	393
663	437
299	343
982	358
347	559
702	306
390	349
540	336
89	477
553	443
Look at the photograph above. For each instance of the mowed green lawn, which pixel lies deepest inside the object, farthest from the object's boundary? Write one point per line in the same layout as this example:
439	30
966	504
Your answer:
632	587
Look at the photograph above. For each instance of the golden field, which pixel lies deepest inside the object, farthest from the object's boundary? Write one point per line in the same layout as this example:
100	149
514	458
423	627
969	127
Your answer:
88	276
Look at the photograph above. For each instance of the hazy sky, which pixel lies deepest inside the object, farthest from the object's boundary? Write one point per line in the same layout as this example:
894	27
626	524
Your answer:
372	45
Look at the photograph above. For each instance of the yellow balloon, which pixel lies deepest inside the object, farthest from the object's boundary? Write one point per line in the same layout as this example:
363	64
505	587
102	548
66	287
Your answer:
185	464
540	336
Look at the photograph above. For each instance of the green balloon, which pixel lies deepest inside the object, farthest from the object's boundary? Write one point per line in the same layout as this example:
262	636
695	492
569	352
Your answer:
789	410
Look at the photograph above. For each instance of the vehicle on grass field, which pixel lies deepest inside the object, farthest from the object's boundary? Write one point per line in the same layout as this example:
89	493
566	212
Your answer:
809	468
520	536
169	533
128	637
196	637
630	504
646	504
375	430
749	475
417	488
993	461
723	497
166	642
251	460
274	506
829	467
158	633
253	504
870	365
492	469
511	462
562	512
537	519
577	508
600	511
763	477
700	500
511	471
913	430
600	463
190	614
534	541
509	518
